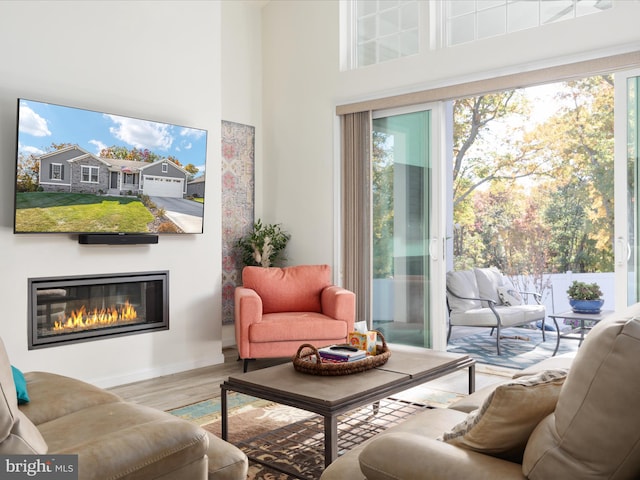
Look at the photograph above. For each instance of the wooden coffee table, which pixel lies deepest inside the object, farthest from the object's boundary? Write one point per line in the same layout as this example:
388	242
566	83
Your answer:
331	396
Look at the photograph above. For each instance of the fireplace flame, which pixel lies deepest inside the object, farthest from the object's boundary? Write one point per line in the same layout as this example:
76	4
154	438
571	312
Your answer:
80	319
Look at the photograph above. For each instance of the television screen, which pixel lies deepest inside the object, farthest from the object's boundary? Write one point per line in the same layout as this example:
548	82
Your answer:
88	172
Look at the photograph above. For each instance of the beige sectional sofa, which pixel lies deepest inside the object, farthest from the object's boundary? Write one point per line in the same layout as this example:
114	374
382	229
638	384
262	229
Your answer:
113	439
583	424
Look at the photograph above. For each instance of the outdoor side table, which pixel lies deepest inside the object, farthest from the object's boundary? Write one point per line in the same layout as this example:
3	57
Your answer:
576	333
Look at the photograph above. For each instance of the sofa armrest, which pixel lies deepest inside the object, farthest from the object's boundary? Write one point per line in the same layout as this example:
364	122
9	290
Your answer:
248	310
408	456
340	304
226	462
126	440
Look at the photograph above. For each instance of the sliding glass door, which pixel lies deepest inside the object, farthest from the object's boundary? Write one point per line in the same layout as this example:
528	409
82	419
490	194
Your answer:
627	178
402	221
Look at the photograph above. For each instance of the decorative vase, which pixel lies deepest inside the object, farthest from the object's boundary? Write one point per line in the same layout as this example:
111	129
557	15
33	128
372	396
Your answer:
586	306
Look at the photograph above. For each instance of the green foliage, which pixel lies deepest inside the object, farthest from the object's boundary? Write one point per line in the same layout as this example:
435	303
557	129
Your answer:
584	291
263	246
382	185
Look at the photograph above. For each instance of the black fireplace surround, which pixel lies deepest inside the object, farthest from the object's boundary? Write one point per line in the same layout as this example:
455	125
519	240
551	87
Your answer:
72	309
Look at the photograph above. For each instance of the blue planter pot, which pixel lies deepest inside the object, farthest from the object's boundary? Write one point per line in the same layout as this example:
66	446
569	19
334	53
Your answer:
586	306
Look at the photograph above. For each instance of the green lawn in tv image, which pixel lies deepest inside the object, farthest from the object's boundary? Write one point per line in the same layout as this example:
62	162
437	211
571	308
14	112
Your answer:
77	212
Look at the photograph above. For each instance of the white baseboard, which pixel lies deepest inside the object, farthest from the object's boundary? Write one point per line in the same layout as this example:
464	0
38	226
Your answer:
131	377
228	336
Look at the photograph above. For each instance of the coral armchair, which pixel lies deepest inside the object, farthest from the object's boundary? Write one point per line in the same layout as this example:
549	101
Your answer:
278	309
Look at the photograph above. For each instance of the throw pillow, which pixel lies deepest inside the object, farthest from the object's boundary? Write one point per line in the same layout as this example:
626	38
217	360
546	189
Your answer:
21	386
503	423
509	296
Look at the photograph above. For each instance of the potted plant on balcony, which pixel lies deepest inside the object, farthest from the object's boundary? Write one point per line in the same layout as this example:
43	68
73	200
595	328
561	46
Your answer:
263	246
585	297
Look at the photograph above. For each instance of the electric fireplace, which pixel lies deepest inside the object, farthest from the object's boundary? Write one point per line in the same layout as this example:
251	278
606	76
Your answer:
65	310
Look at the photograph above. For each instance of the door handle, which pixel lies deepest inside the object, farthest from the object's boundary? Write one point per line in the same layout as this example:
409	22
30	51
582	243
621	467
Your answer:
623	252
433	249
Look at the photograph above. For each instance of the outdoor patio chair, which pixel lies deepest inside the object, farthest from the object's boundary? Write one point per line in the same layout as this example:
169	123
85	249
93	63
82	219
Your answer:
483	297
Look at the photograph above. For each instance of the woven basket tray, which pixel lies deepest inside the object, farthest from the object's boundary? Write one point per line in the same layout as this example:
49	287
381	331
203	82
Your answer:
308	360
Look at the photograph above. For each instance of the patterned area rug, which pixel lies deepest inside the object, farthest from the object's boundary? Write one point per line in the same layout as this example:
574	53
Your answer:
290	440
520	347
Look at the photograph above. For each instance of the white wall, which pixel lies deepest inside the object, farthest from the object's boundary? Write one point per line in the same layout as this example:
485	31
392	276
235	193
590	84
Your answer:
300	72
303	85
158	60
242	87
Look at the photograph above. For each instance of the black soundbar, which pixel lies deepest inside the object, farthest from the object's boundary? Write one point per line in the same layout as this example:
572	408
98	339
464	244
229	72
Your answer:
116	239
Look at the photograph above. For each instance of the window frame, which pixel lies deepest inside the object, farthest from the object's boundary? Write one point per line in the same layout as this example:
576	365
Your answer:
93	171
480	9
56	175
350	57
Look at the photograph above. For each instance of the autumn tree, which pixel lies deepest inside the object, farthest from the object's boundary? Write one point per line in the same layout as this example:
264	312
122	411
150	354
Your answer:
27	172
28	168
191	169
486	169
535	199
581	134
134	154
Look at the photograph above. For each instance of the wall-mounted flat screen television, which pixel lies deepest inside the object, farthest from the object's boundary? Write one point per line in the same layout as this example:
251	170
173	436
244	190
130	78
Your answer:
87	172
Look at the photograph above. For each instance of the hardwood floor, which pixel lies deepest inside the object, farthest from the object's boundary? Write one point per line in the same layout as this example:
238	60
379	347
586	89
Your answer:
172	391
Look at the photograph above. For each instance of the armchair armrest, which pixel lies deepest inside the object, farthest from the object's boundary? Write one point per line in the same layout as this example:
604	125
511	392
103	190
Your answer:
409	456
248	310
339	303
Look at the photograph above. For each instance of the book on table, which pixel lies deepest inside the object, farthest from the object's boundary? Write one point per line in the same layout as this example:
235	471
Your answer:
336	353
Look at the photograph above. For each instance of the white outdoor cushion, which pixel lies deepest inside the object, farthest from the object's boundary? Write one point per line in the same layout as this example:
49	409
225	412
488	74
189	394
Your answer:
532	313
488	279
462	283
484	317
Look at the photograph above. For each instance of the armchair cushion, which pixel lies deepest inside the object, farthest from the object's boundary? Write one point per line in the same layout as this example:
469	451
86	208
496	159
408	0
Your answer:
505	420
286	326
289	289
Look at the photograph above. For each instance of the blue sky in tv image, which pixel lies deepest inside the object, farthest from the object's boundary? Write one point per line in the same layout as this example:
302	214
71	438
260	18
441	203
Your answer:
41	124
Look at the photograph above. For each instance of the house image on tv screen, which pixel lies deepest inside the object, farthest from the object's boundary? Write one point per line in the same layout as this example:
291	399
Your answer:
73	169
